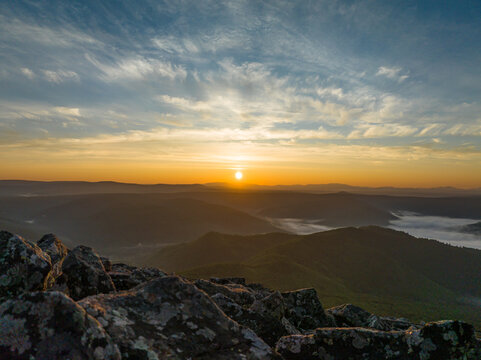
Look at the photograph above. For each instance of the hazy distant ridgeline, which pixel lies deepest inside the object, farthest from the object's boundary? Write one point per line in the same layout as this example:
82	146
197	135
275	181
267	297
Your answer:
25	187
385	190
383	269
112	221
34	188
340	209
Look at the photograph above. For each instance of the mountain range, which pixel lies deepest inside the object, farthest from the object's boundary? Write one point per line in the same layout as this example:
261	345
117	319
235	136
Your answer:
386	271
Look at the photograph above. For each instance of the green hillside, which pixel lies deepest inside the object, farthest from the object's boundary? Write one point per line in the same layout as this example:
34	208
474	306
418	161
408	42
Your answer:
386	271
214	247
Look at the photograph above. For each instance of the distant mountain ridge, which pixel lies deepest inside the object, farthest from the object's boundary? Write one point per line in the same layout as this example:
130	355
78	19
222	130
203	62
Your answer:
122	224
36	188
32	188
441	191
375	266
124	220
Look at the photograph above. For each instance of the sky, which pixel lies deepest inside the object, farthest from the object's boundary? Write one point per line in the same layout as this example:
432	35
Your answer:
288	92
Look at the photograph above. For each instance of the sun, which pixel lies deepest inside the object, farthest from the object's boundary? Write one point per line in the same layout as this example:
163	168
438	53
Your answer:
238	175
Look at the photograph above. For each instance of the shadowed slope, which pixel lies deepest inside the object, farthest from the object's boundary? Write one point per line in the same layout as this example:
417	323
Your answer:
380	268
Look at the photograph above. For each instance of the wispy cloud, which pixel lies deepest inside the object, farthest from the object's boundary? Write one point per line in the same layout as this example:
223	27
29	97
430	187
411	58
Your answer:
393	73
60	76
28	73
23	32
68	111
138	68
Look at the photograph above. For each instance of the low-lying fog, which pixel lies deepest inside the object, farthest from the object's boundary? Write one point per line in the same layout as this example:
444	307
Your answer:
299	226
440	228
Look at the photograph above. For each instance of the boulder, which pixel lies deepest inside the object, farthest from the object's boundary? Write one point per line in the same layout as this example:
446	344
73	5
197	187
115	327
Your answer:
127	277
85	274
239	293
265	317
228	280
120	267
169	317
349	315
304	310
106	263
57	251
446	340
23	266
50	325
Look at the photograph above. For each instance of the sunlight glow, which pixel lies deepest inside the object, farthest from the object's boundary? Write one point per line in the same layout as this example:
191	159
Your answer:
238	175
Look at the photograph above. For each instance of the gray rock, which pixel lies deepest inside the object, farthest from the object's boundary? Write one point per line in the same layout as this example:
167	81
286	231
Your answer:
349	315
85	274
169	318
446	340
106	263
304	310
50	325
57	251
229	280
239	293
23	266
265	317
120	267
127	277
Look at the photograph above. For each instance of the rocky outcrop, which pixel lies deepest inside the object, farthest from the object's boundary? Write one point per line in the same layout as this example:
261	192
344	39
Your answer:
51	245
85	274
305	311
239	293
23	265
50	325
117	311
448	340
265	316
349	315
171	318
126	277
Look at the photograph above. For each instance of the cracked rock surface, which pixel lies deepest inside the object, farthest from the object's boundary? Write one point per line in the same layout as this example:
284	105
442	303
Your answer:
85	274
449	340
50	325
171	318
23	265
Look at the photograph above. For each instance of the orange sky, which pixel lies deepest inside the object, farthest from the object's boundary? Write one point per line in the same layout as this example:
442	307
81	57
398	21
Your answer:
414	173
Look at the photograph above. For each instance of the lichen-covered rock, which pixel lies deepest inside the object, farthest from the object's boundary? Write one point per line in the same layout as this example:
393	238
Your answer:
85	274
170	318
127	277
239	293
23	265
229	280
304	310
120	267
447	340
122	280
106	263
348	315
57	251
50	325
265	316
142	275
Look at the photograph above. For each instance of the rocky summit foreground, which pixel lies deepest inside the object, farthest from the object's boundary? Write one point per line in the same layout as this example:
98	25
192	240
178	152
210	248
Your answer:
57	303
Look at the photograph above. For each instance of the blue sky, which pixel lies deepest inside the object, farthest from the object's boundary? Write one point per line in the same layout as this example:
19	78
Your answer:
230	84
